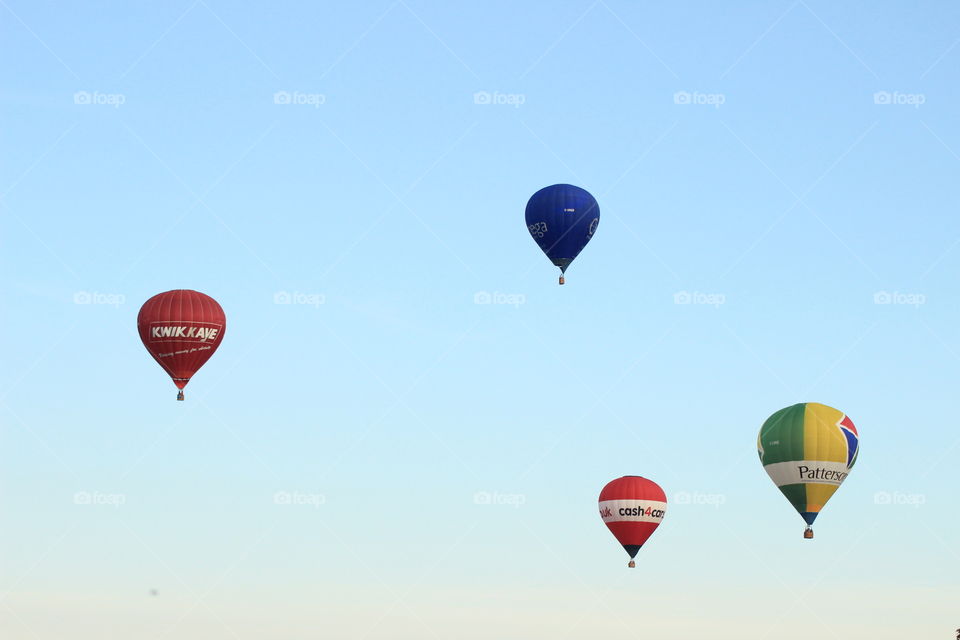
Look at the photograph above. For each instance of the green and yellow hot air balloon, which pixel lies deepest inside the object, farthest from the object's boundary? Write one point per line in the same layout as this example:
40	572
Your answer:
808	450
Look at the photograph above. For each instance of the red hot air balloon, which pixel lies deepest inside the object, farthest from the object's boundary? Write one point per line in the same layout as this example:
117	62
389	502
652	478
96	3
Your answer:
632	508
181	329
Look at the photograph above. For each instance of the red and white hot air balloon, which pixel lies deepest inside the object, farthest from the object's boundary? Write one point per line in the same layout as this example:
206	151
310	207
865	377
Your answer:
181	329
632	508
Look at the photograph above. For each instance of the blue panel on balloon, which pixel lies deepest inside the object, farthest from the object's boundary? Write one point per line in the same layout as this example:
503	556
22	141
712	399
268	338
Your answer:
852	444
562	219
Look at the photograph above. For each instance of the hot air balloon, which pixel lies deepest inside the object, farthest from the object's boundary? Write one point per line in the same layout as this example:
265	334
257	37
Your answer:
181	329
808	450
562	219
632	508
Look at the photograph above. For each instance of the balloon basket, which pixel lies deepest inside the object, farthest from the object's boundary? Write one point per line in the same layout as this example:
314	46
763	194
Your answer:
561	280
632	564
180	396
808	534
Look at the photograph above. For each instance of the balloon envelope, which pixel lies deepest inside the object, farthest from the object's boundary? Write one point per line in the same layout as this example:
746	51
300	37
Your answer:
632	508
181	329
562	218
808	450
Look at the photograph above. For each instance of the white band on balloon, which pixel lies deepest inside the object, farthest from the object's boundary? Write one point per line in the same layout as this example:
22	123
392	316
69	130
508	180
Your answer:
632	510
807	471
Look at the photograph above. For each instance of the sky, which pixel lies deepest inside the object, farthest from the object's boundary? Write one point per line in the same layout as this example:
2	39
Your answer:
408	423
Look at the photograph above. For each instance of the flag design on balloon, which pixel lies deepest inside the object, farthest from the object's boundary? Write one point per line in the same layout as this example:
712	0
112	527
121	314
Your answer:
632	507
808	450
181	329
562	219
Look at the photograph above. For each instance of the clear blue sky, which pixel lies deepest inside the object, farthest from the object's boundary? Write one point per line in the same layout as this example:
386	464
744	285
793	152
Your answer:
390	194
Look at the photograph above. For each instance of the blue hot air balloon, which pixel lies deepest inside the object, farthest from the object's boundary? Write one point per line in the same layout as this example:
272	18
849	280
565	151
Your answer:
562	218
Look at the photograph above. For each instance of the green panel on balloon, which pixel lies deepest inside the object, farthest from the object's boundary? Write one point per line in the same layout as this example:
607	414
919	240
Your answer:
781	436
796	494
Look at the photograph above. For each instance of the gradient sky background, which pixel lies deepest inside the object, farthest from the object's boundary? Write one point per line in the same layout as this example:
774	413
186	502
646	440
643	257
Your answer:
383	411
